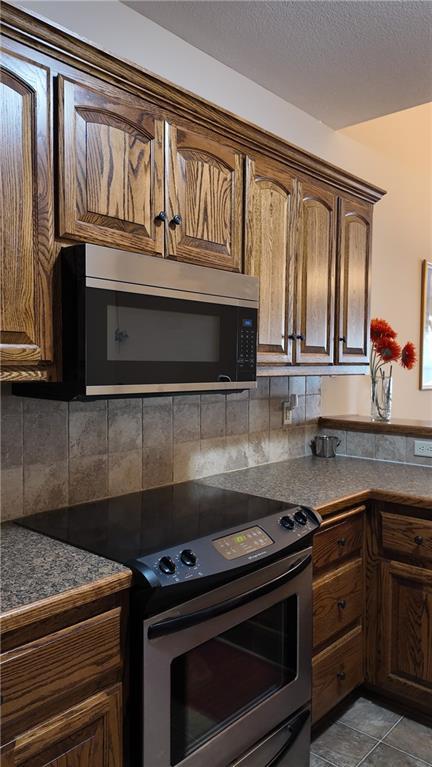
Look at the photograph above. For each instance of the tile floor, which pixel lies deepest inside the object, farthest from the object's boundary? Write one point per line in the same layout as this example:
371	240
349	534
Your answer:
371	735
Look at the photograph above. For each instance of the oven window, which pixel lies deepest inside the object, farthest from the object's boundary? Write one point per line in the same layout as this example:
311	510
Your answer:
221	679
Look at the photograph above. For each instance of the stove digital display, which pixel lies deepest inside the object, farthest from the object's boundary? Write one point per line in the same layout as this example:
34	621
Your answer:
243	542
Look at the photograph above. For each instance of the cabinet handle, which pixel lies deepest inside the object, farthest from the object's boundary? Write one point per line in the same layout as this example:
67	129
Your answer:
176	220
343	339
342	604
342	542
162	216
292	336
341	675
418	540
300	337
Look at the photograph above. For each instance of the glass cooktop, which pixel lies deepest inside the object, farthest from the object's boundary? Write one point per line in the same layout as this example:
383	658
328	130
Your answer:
130	526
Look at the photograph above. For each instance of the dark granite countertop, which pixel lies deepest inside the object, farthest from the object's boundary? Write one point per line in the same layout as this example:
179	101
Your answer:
328	483
36	568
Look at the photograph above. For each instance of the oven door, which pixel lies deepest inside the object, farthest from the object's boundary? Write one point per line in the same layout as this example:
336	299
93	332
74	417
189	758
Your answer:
223	670
143	339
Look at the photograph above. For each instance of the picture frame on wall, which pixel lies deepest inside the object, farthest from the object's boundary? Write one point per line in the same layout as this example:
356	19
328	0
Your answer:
426	327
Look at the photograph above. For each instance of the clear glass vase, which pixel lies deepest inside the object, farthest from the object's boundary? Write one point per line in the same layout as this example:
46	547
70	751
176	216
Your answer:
381	397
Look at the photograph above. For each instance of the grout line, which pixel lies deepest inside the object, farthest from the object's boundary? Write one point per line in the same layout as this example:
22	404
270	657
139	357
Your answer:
407	753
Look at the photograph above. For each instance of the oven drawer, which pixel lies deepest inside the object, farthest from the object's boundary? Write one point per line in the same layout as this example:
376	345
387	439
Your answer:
53	665
337	601
408	536
287	746
338	542
336	671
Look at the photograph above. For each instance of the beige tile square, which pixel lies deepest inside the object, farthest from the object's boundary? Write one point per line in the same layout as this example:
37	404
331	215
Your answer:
237	417
297	385
186	419
88	433
313	384
11	489
389	447
45	438
45	486
360	444
88	478
124	425
278	445
11	440
263	389
259	415
124	472
212	419
158	426
157	467
313	407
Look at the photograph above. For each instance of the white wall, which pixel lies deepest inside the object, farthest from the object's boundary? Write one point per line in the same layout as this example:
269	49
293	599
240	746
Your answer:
402	239
384	153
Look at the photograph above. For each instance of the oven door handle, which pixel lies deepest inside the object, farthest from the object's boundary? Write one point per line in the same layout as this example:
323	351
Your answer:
172	625
295	729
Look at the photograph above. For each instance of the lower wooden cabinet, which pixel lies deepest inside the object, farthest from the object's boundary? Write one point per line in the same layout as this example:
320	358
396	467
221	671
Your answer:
86	735
336	671
338	595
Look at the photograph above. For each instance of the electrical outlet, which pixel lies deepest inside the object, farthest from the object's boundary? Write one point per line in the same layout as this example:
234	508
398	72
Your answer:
423	447
287	413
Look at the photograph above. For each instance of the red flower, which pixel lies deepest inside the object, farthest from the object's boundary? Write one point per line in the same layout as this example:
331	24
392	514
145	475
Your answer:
408	356
381	329
388	349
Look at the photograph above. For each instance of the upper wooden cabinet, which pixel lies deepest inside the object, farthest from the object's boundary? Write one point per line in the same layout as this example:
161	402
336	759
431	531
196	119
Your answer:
269	254
354	247
204	199
111	166
315	278
26	213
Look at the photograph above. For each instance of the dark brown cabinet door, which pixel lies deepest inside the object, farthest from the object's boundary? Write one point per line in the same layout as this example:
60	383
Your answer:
204	193
354	245
315	282
111	166
26	214
87	735
406	642
269	254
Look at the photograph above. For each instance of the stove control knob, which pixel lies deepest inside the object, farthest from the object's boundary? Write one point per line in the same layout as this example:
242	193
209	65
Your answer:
300	517
167	565
287	522
188	557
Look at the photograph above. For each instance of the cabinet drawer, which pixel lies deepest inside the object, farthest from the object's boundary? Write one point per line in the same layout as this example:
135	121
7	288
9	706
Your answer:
409	536
51	667
337	601
336	671
338	542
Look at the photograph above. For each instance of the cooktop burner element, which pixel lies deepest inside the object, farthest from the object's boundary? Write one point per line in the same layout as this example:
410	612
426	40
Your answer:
132	526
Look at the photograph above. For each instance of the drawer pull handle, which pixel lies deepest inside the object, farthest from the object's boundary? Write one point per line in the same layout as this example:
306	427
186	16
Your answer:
342	604
418	540
342	542
341	675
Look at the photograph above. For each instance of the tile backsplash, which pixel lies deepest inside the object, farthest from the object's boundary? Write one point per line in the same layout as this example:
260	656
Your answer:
56	453
381	447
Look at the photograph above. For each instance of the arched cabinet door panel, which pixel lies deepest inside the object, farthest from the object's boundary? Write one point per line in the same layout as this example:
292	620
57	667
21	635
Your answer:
26	214
269	255
204	193
315	295
355	223
111	166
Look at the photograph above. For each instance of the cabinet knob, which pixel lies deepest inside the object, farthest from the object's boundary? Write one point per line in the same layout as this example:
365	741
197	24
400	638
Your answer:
418	540
162	216
300	337
292	336
342	604
341	675
343	339
176	220
342	542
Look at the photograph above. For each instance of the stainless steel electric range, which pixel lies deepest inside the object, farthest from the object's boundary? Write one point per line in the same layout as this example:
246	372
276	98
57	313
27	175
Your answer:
221	621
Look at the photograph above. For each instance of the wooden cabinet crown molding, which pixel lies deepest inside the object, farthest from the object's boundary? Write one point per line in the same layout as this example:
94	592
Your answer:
53	40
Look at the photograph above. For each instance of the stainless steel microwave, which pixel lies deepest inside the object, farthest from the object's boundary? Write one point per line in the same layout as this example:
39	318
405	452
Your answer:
135	324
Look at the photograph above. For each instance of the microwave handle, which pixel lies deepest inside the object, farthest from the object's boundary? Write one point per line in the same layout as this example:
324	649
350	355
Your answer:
171	625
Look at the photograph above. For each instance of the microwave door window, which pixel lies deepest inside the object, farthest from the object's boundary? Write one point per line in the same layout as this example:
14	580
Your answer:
138	334
134	338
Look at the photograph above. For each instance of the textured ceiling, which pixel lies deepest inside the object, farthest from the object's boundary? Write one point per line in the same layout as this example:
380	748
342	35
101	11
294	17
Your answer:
343	62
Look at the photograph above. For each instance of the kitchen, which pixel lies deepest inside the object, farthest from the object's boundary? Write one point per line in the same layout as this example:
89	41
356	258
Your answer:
205	560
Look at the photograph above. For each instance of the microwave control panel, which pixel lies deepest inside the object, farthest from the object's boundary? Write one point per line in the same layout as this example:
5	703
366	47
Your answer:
246	353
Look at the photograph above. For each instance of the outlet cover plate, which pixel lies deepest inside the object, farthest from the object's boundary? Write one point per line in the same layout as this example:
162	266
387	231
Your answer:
423	447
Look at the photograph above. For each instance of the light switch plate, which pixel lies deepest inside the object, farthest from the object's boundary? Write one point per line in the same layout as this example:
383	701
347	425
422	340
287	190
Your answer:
287	414
423	447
